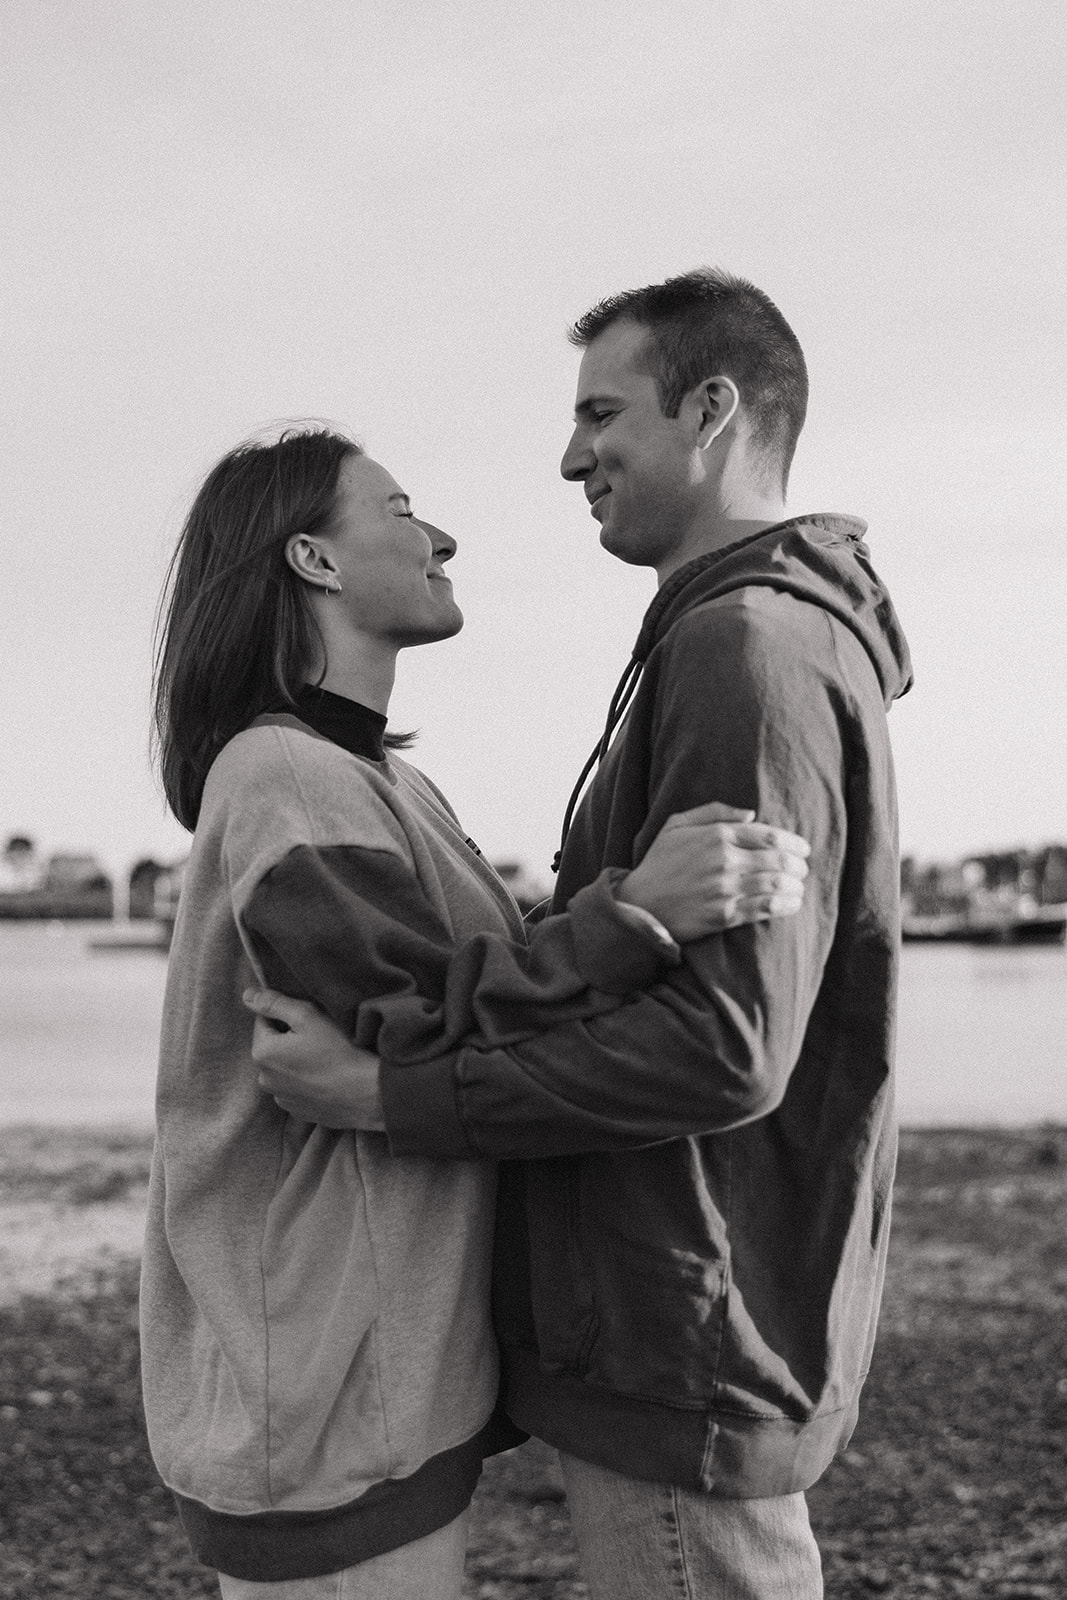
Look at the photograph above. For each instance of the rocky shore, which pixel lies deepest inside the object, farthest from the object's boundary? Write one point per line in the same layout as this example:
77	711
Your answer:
954	1483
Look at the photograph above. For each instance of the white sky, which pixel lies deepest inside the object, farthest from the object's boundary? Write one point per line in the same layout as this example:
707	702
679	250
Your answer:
220	214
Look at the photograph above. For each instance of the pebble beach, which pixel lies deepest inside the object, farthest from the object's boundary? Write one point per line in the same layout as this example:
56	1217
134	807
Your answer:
954	1484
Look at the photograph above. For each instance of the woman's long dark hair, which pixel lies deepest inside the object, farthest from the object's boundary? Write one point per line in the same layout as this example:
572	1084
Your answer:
238	634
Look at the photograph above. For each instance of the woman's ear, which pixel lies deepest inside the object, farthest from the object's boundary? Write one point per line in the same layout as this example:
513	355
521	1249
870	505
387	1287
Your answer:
310	562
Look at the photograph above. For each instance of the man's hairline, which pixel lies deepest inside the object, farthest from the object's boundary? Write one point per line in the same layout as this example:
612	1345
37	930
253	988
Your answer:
640	360
644	362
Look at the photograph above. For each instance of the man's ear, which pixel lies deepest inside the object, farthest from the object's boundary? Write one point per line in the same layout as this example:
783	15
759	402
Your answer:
309	560
715	401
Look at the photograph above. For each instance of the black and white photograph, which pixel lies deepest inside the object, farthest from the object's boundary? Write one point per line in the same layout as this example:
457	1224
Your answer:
533	807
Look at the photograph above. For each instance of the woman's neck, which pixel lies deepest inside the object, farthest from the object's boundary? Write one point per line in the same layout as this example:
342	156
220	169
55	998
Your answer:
359	668
370	684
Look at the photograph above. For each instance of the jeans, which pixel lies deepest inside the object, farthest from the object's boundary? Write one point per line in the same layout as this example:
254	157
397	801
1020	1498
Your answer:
427	1569
650	1541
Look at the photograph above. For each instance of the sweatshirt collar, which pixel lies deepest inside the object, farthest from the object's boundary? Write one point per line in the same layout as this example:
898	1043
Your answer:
355	727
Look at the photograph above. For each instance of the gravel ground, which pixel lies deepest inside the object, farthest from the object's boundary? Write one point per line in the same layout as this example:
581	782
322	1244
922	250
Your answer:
954	1484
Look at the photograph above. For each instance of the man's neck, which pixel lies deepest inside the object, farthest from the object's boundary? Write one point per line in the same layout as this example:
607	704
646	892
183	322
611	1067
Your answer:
727	525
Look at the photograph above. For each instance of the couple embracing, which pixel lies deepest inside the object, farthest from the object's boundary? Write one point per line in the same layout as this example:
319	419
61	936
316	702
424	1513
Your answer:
619	1179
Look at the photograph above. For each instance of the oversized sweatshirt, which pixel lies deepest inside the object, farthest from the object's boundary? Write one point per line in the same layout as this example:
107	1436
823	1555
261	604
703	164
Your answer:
319	1368
690	1258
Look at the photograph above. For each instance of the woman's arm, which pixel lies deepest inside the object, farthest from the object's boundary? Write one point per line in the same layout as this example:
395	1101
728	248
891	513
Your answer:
703	873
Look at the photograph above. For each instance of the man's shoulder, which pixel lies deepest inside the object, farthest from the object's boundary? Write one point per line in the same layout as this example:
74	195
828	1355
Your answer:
753	621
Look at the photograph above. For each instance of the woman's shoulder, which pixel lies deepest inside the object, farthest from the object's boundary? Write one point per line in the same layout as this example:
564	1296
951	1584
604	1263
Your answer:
265	753
415	780
281	778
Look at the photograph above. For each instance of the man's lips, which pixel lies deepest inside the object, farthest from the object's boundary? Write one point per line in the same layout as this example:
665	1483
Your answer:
596	499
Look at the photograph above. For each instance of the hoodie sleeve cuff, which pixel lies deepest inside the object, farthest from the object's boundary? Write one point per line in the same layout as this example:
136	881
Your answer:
618	947
419	1106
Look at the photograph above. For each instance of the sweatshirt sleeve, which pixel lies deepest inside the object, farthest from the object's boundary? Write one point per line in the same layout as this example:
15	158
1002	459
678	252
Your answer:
747	708
350	927
364	928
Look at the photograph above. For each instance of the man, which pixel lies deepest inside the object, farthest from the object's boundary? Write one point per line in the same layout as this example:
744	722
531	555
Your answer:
690	1255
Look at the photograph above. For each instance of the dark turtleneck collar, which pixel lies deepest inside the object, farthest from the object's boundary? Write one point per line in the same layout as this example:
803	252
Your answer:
356	728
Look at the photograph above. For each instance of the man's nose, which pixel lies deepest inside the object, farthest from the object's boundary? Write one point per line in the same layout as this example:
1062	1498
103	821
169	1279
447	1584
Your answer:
578	461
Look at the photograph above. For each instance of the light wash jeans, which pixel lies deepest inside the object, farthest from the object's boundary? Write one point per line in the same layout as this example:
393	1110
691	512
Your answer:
427	1569
649	1541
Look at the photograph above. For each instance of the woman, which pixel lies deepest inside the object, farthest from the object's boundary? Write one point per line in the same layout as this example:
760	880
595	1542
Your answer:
319	1369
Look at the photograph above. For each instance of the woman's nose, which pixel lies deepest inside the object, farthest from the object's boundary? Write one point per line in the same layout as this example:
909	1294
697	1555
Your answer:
444	546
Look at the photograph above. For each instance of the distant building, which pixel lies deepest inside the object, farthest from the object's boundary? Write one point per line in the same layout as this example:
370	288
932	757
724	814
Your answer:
1050	867
20	868
167	891
68	871
1000	895
69	885
145	876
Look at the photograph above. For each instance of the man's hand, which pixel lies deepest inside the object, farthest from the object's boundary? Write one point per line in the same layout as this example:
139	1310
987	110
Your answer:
310	1068
713	868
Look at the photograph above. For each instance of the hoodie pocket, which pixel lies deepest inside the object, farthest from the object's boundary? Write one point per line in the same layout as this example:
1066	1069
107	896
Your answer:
659	1316
561	1287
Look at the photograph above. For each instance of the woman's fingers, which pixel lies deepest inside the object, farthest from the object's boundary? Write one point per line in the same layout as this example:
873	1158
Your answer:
743	909
745	867
760	836
728	825
710	811
755	885
278	1010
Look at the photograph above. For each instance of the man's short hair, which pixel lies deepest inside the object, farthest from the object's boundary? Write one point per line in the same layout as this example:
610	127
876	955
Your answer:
707	322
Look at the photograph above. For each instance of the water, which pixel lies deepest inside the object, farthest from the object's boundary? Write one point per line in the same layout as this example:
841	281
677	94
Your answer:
983	1031
982	1035
79	1031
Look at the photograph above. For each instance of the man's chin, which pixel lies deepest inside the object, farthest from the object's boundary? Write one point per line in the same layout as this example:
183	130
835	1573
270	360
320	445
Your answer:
451	626
617	547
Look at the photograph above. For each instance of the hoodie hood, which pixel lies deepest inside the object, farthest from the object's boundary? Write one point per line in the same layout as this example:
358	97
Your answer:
821	559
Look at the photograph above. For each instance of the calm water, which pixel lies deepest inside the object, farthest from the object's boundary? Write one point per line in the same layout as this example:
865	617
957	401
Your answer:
983	1032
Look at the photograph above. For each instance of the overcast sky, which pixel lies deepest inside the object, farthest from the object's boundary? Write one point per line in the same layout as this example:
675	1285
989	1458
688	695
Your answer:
221	214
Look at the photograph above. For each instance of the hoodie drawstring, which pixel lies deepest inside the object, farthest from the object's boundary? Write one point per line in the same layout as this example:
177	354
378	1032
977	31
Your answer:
620	700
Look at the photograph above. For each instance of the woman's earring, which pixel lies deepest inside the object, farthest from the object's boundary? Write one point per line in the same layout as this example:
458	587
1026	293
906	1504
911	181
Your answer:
333	588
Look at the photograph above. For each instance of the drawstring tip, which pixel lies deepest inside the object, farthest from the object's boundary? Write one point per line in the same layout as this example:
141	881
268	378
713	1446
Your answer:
556	860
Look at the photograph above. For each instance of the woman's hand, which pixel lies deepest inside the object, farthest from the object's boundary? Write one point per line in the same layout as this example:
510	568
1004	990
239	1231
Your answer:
310	1067
714	868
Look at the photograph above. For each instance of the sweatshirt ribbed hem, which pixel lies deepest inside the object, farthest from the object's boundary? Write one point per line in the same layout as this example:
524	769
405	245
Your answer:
268	1547
738	1457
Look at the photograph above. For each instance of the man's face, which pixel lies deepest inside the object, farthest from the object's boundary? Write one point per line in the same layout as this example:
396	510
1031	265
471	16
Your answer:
639	468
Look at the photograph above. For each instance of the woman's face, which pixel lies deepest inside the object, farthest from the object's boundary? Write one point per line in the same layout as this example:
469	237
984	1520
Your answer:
390	563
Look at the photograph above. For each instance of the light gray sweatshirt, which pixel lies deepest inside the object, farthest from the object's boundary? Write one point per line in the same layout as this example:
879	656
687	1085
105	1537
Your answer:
320	1374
